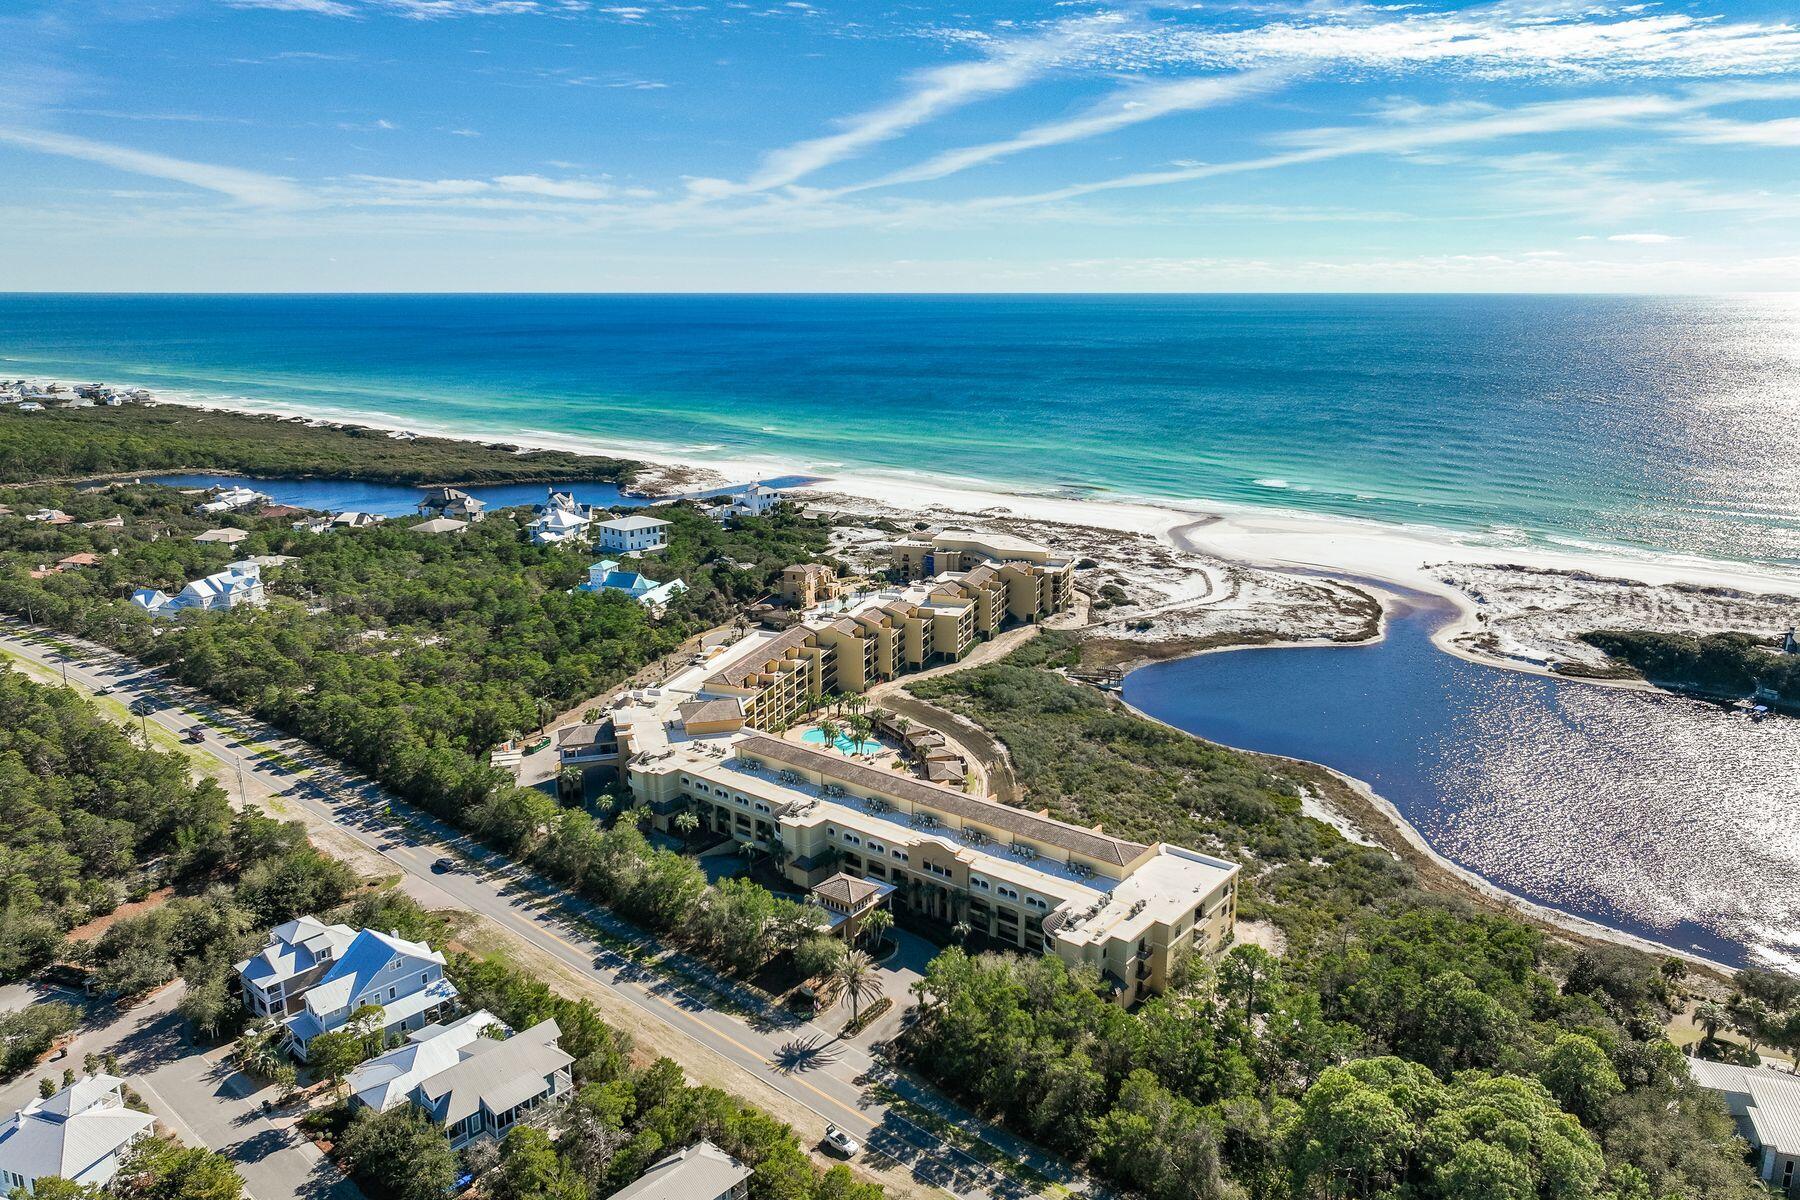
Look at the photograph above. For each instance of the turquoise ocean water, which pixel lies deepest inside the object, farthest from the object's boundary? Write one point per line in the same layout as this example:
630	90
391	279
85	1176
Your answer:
1655	424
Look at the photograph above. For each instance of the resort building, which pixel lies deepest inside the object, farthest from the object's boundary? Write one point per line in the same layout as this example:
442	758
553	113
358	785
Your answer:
474	1076
808	585
1026	578
561	519
701	1172
404	979
607	576
77	1134
633	535
453	503
296	956
238	585
860	830
1766	1105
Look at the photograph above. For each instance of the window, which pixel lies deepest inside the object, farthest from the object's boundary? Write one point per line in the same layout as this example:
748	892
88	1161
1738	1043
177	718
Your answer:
424	978
392	992
850	839
976	881
902	856
876	847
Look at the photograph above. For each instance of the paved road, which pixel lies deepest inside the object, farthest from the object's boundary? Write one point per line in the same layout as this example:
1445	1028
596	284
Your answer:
894	1114
194	1094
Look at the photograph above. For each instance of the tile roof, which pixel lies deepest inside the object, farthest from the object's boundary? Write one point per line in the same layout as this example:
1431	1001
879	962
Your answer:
773	650
1098	846
848	890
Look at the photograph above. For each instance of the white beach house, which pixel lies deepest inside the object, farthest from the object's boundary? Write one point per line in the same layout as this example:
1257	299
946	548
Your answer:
474	1077
701	1172
633	534
561	518
76	1134
231	500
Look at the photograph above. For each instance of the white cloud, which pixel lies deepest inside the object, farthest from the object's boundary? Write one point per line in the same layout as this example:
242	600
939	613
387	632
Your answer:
246	187
1782	132
1131	105
1557	116
1643	239
1007	66
1495	41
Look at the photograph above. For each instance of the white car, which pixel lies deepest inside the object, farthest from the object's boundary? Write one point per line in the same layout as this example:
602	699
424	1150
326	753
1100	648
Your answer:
841	1143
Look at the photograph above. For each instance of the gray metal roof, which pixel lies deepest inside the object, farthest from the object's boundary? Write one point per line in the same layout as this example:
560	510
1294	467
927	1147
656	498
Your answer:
701	1172
498	1075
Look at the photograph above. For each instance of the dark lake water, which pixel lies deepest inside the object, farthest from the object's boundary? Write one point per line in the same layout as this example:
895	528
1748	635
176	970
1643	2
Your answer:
1661	816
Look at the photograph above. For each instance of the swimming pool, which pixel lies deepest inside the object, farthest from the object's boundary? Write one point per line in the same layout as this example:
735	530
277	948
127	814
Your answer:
844	742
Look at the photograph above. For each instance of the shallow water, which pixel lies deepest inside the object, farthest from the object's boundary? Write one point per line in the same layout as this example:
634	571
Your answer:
1660	816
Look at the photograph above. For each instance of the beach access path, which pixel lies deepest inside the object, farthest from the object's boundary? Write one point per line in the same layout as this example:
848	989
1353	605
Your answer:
917	1142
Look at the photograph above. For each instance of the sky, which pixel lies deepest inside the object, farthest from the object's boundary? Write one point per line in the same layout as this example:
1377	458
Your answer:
829	145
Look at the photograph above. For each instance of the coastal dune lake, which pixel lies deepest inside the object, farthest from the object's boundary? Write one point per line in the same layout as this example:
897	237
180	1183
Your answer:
1655	814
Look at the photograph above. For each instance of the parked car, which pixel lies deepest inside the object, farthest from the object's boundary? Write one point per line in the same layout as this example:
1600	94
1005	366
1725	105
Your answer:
194	733
443	864
839	1142
104	689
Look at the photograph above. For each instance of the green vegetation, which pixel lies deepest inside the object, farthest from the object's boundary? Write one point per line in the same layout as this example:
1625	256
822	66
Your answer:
1403	1044
28	1034
90	816
622	1118
154	1169
1737	666
70	443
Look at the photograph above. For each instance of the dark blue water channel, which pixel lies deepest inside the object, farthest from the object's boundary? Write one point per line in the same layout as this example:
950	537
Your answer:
393	499
1657	815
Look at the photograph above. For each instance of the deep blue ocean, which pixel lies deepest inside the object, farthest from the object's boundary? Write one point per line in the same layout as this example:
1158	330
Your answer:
1657	424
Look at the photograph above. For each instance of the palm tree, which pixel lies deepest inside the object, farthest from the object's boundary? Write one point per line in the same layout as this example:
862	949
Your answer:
1710	1016
686	824
829	731
861	729
568	782
856	974
961	931
875	925
259	1052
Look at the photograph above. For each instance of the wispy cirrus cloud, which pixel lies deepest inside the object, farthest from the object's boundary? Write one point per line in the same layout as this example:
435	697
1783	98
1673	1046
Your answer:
246	187
1131	105
1546	117
1719	132
1007	65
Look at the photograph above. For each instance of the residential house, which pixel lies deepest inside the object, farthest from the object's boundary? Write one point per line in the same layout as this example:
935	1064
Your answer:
751	500
314	524
472	1083
633	535
453	503
296	956
355	520
1766	1105
78	1134
232	499
701	1172
282	512
115	522
438	525
237	585
405	979
607	576
561	519
50	516
31	406
226	536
